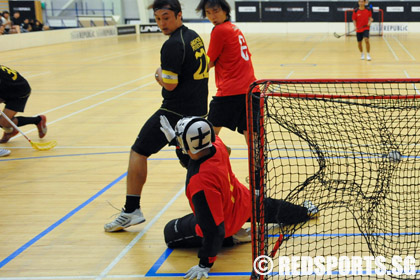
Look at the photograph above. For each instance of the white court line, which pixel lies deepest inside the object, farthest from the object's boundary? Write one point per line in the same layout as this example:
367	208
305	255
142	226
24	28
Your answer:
91	106
312	50
39	74
118	258
95	58
116	56
102	102
392	51
414	85
402	46
139	236
96	94
290	74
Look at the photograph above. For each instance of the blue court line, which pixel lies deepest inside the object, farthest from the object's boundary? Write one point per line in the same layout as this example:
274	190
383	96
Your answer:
59	222
153	270
94	154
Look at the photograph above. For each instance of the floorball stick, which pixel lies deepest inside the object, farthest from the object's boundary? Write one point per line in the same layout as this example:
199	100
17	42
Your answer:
37	146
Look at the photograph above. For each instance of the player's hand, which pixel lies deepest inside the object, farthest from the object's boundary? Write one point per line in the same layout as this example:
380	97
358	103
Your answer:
197	271
167	129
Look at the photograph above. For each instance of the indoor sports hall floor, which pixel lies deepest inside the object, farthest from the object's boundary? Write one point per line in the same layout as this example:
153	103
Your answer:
96	95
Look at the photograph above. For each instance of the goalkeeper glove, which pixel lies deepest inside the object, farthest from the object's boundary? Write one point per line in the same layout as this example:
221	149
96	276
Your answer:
167	129
197	271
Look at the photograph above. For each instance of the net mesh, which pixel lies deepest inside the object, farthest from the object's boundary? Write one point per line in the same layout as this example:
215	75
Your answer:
353	149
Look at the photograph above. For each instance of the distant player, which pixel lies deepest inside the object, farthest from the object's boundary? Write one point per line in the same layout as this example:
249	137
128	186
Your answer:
362	18
14	92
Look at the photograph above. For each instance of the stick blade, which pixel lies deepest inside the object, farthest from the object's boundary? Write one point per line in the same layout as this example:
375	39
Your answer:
336	35
45	146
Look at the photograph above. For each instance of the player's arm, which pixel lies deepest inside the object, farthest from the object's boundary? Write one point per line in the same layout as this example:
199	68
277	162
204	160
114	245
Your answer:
370	18
213	231
215	47
211	64
166	79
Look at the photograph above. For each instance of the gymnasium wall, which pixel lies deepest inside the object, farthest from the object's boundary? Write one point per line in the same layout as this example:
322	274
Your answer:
35	39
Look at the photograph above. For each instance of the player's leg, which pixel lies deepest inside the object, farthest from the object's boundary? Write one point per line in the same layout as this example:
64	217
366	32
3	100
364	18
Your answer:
8	130
359	36
149	141
367	42
221	113
286	213
180	233
18	105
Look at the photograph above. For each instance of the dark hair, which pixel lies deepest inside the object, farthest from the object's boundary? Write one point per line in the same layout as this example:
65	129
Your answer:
212	4
172	5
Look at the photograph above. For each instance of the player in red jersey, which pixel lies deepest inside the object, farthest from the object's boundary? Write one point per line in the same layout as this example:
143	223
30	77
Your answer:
220	203
362	18
230	56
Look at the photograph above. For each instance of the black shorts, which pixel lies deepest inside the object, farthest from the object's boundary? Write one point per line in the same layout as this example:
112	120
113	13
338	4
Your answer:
151	139
17	104
230	112
361	35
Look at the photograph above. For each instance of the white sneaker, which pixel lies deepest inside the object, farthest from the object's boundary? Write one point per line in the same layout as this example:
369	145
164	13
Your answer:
124	220
242	236
362	56
368	57
4	152
313	211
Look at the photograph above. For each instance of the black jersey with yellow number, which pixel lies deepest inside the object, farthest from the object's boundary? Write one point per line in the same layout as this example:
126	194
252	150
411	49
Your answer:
12	84
184	60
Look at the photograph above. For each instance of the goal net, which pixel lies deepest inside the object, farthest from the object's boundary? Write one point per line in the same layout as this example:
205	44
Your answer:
376	27
352	147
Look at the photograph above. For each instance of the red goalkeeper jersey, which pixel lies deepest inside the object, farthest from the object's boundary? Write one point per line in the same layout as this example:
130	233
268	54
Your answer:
228	200
230	53
362	19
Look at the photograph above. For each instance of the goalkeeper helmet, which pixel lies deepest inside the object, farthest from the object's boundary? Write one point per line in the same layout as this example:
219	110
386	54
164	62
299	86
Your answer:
194	134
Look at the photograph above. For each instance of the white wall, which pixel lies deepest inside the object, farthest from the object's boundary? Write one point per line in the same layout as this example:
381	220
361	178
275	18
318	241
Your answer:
34	39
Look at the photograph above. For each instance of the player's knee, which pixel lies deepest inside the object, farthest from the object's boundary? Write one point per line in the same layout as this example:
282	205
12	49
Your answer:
169	232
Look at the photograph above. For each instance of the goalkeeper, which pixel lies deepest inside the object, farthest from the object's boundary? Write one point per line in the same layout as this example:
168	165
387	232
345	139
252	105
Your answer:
220	203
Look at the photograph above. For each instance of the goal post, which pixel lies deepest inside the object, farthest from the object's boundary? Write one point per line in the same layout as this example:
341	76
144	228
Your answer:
376	27
352	147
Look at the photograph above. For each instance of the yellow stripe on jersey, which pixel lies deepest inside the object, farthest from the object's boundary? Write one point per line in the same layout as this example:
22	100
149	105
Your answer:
169	77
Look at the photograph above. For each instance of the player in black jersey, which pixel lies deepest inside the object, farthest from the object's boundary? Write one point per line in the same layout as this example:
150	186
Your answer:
183	75
14	92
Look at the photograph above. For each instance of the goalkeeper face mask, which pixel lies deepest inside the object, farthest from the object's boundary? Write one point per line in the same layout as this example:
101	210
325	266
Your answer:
194	134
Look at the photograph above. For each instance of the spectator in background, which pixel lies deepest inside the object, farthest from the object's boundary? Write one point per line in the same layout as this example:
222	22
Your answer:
36	25
26	25
18	21
6	22
1	26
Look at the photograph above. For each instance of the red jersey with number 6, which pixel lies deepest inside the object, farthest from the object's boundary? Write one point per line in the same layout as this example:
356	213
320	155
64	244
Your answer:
230	53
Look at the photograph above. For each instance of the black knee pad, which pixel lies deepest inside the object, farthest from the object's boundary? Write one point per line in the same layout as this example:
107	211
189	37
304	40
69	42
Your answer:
180	233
